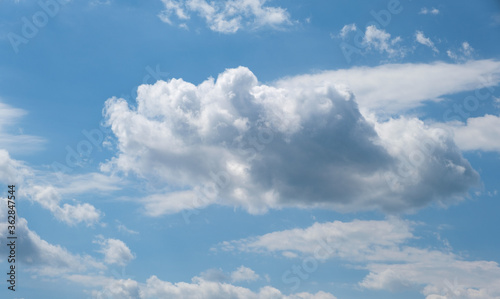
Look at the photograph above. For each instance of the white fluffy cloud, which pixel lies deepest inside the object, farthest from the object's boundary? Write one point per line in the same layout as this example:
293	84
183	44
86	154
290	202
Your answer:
79	213
479	133
115	251
198	288
244	274
227	16
50	198
381	41
381	247
422	39
234	141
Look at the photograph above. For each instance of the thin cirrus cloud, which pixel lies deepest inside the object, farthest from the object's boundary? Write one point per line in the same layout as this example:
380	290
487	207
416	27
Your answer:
16	141
382	249
226	16
234	141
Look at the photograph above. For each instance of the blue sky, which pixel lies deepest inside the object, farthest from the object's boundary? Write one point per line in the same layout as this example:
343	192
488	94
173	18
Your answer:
251	148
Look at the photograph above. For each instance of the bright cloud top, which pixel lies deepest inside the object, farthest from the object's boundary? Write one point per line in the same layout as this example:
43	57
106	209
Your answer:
227	16
234	141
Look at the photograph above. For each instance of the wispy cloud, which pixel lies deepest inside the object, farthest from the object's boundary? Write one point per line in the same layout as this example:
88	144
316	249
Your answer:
122	228
12	140
381	248
347	29
464	52
422	39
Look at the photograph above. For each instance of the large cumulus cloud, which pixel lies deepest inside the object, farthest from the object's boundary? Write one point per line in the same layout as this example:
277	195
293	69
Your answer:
235	141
